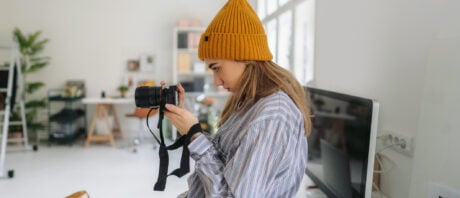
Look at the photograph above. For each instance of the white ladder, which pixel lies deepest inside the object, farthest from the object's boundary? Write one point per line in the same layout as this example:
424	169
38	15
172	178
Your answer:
15	64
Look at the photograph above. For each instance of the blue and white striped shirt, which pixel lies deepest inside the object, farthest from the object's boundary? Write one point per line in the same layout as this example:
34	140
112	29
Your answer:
258	153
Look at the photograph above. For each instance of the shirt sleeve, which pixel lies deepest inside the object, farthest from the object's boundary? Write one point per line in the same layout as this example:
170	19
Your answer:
250	171
208	169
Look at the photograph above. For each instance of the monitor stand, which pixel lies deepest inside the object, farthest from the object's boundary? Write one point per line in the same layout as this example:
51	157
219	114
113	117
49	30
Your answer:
315	192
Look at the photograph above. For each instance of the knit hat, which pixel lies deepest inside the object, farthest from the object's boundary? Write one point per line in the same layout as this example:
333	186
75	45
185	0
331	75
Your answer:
235	33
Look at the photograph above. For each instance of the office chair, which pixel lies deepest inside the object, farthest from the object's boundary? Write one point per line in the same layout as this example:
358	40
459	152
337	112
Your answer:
141	115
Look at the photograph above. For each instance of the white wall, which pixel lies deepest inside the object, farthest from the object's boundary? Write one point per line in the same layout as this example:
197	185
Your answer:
92	40
436	158
379	49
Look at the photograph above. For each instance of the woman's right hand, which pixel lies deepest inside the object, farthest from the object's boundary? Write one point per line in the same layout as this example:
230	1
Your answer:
181	118
180	94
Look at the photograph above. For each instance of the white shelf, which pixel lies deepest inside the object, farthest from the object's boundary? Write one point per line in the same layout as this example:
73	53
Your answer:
194	74
176	75
187	51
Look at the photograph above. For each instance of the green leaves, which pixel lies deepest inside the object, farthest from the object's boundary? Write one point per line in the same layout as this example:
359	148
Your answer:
36	64
36	103
31	46
31	87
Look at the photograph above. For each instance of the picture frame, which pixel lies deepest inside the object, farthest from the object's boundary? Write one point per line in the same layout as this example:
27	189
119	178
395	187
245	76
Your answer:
147	63
75	88
133	65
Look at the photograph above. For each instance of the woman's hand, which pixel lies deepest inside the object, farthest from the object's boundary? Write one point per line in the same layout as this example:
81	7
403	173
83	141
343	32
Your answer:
181	118
180	94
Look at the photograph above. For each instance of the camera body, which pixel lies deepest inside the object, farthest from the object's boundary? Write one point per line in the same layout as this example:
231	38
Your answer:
155	97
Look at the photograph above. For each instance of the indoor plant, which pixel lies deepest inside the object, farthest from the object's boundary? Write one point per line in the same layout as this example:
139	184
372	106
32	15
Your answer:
31	47
123	90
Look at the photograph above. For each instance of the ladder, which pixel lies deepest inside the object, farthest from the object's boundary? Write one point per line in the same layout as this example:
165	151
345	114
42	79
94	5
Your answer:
14	74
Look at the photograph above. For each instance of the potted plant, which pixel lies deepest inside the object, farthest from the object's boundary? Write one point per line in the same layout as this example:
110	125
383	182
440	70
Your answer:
30	47
123	90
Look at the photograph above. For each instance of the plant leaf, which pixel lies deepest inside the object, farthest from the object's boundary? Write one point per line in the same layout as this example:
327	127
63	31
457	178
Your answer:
20	38
38	47
36	103
39	59
35	67
31	87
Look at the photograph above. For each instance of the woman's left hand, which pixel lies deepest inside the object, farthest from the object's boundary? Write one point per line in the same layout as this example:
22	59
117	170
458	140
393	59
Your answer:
181	118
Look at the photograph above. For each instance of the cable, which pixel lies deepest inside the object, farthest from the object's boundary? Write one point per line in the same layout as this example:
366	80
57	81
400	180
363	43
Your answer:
378	153
383	169
148	126
391	145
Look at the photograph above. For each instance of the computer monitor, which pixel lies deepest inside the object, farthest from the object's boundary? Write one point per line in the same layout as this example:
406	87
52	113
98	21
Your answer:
4	76
341	146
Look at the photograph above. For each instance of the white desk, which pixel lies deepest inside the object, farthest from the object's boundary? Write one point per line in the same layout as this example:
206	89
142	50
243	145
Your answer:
104	108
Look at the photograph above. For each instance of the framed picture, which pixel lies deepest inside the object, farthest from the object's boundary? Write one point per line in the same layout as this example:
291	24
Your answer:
147	63
133	65
75	88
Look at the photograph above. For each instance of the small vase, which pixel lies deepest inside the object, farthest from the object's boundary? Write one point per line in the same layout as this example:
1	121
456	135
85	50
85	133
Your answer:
123	94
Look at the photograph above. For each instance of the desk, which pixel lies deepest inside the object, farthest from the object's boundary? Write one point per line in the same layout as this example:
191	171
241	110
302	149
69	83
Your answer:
104	108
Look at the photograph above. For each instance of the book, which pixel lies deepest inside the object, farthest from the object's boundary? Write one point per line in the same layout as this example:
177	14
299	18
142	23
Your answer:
182	40
193	40
184	63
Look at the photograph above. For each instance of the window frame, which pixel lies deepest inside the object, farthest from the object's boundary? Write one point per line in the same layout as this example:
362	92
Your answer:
292	5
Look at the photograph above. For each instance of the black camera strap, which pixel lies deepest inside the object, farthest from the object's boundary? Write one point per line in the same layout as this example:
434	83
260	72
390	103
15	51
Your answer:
183	142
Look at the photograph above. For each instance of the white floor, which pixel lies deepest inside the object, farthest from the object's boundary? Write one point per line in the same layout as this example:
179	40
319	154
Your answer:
101	170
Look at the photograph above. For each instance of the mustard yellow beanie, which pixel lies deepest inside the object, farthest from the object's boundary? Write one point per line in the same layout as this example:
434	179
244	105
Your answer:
235	33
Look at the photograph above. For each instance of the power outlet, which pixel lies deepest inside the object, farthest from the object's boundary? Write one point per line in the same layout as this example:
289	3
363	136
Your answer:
401	143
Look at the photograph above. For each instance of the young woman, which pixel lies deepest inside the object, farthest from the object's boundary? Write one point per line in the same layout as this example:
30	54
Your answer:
260	149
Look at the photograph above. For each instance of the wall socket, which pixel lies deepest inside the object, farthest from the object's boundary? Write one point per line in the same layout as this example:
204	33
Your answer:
403	144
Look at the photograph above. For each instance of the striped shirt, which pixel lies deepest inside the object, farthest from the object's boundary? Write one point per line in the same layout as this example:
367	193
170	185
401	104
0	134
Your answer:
261	152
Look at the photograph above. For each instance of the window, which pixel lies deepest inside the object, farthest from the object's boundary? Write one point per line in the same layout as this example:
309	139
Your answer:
290	30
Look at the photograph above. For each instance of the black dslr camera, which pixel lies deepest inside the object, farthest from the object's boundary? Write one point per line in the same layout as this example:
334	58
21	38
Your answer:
154	97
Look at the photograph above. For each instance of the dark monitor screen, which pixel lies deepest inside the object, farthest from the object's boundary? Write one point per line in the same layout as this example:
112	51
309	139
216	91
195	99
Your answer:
4	80
342	142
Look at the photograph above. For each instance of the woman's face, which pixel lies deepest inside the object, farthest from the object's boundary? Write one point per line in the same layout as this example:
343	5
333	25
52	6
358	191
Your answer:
227	73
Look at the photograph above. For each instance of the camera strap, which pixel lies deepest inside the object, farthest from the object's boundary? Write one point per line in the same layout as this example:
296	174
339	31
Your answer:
183	142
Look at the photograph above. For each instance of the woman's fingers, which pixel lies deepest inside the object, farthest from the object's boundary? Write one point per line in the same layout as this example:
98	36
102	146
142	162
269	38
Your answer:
181	91
174	109
181	118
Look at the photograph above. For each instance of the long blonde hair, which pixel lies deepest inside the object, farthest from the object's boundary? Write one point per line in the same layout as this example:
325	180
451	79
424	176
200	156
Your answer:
260	79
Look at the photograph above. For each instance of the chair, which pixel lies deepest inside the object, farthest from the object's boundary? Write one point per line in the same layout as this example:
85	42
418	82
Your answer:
79	194
141	115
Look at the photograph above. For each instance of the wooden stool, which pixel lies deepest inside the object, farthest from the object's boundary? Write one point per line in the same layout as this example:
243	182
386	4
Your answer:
102	113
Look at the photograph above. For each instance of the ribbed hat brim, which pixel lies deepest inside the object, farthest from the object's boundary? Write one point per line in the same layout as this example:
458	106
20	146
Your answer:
234	46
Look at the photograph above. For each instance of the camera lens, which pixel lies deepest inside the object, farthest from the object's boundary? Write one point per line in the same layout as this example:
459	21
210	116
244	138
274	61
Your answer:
147	97
152	97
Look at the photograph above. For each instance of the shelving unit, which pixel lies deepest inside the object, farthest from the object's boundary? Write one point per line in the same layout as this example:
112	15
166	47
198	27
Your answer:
191	72
186	64
66	122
